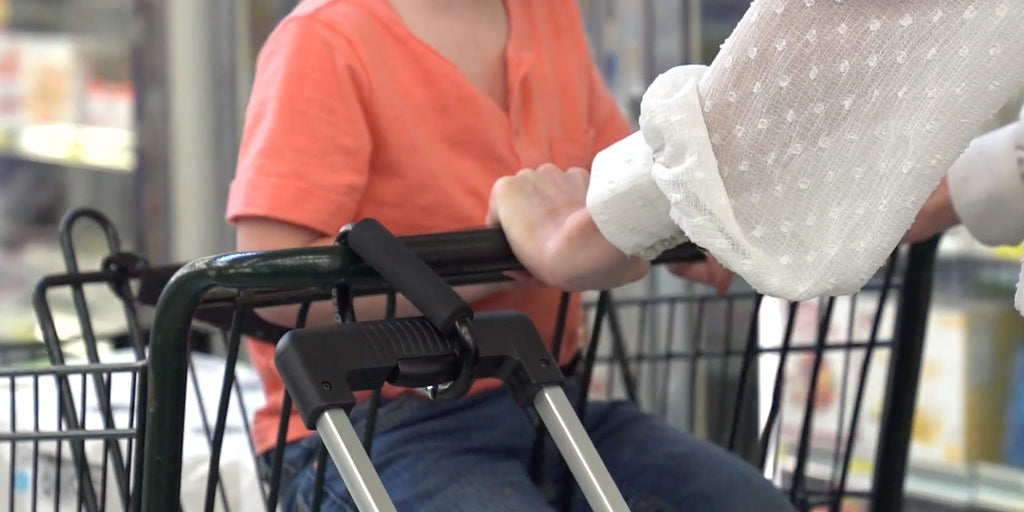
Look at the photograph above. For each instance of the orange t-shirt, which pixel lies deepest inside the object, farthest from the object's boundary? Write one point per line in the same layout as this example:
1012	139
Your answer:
352	116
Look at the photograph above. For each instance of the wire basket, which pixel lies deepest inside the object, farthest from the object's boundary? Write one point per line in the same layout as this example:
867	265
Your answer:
800	390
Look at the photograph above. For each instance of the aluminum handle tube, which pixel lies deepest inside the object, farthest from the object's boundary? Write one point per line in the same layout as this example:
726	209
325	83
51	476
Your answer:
353	463
578	451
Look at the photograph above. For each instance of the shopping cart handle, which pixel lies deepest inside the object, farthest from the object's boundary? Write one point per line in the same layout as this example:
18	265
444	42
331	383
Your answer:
479	251
686	252
451	254
322	367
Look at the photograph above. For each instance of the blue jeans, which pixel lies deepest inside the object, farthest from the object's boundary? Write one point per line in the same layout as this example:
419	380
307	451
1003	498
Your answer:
473	455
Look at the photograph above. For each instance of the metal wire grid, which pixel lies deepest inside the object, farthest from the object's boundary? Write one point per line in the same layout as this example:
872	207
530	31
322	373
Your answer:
678	355
74	449
790	397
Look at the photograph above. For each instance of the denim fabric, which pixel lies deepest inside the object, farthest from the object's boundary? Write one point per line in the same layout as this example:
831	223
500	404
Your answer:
473	455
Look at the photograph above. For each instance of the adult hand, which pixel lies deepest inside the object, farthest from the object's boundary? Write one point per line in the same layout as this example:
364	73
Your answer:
709	271
935	216
544	215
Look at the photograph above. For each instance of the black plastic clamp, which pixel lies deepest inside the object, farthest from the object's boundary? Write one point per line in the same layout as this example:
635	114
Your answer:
414	279
323	367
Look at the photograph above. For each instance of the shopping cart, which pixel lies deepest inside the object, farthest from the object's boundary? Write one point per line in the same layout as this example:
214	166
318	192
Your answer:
701	361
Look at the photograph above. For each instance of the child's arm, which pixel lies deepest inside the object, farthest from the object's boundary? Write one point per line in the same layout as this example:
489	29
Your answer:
305	152
261	234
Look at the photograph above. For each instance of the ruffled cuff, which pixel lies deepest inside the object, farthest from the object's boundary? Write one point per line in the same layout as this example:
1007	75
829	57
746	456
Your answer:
631	208
625	202
1020	290
986	185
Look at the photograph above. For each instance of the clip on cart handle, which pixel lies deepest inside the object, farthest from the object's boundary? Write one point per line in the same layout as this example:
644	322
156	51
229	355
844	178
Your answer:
323	367
411	277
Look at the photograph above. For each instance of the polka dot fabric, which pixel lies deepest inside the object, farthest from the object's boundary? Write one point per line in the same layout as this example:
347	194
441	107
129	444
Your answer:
831	122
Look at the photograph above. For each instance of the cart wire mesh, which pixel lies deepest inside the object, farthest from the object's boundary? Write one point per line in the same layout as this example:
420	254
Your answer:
797	389
802	390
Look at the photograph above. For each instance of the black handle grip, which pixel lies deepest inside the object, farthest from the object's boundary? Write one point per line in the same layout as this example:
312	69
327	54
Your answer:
464	252
410	276
463	257
682	253
480	251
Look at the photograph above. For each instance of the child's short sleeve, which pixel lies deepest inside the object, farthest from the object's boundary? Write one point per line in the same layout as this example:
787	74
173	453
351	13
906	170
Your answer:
305	150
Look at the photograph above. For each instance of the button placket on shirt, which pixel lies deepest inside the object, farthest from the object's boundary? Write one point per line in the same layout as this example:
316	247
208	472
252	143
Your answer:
517	66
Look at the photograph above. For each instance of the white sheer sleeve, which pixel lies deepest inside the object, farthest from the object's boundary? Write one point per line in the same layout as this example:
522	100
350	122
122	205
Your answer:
986	185
826	124
1020	167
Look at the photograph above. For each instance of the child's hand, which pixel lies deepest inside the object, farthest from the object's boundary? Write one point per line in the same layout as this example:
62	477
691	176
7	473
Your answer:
543	213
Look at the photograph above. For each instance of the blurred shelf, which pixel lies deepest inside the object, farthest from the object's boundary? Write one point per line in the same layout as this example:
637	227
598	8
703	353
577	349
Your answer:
67	99
958	243
109	18
106	324
974	487
71	145
978	487
18	352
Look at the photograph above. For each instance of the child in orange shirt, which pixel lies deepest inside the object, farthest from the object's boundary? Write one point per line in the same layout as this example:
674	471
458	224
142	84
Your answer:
408	111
